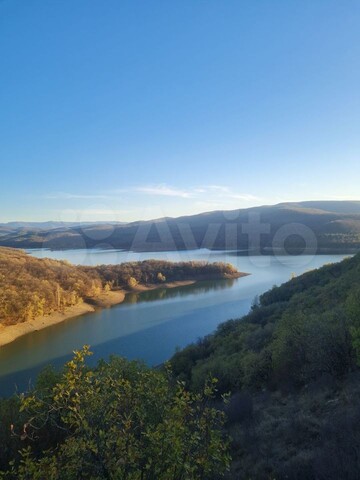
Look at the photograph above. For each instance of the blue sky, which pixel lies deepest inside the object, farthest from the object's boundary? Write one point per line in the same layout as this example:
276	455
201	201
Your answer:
121	110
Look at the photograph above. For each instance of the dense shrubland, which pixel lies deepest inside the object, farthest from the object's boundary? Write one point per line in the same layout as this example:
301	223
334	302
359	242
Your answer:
297	332
32	287
292	367
119	420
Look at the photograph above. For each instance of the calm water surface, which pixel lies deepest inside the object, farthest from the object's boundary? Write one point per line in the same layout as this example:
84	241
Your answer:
150	325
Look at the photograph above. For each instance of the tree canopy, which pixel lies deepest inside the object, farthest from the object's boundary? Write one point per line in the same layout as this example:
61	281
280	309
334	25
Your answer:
120	420
31	287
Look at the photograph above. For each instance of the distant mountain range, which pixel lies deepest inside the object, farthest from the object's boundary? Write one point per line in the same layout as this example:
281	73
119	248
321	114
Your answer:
303	227
15	228
48	225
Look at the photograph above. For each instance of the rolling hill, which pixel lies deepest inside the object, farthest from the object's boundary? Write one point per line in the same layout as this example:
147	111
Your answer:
310	227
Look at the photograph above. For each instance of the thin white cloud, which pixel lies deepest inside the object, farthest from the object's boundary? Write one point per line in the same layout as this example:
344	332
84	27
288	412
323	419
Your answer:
224	192
175	200
219	191
245	197
73	196
164	190
218	188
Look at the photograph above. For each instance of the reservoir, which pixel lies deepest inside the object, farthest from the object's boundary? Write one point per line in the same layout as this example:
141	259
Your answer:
151	325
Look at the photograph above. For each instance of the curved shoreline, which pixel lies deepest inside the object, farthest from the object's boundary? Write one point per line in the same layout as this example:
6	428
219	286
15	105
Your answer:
9	334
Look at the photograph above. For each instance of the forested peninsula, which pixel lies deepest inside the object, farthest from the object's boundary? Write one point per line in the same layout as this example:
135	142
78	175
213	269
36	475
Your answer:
36	293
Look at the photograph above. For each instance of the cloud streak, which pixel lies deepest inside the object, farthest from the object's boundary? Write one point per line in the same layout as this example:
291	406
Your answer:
74	196
218	191
171	200
165	191
161	190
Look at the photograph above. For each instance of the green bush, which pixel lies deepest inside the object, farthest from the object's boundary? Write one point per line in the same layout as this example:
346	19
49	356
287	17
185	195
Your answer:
120	420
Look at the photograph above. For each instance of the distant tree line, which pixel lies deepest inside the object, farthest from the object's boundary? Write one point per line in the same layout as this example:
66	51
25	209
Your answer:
158	272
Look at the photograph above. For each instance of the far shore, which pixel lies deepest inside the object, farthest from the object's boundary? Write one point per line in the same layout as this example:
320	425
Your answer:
11	333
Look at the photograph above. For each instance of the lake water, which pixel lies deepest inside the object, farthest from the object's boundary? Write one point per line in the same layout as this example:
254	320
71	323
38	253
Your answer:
150	325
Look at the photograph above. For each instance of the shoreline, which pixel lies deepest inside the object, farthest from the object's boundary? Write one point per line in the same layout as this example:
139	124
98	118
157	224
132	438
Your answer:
10	333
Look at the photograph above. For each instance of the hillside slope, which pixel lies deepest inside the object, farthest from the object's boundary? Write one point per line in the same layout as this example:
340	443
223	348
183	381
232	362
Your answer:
326	226
292	365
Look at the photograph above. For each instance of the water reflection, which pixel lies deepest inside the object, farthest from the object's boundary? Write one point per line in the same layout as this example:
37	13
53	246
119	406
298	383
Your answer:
105	325
178	292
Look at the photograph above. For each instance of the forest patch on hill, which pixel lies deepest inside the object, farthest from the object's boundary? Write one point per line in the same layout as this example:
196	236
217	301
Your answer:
32	287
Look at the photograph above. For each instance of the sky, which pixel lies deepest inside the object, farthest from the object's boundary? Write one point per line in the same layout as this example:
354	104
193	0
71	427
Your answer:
125	109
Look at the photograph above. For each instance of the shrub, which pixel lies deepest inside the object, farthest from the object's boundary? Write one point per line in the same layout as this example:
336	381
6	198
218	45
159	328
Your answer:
121	420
